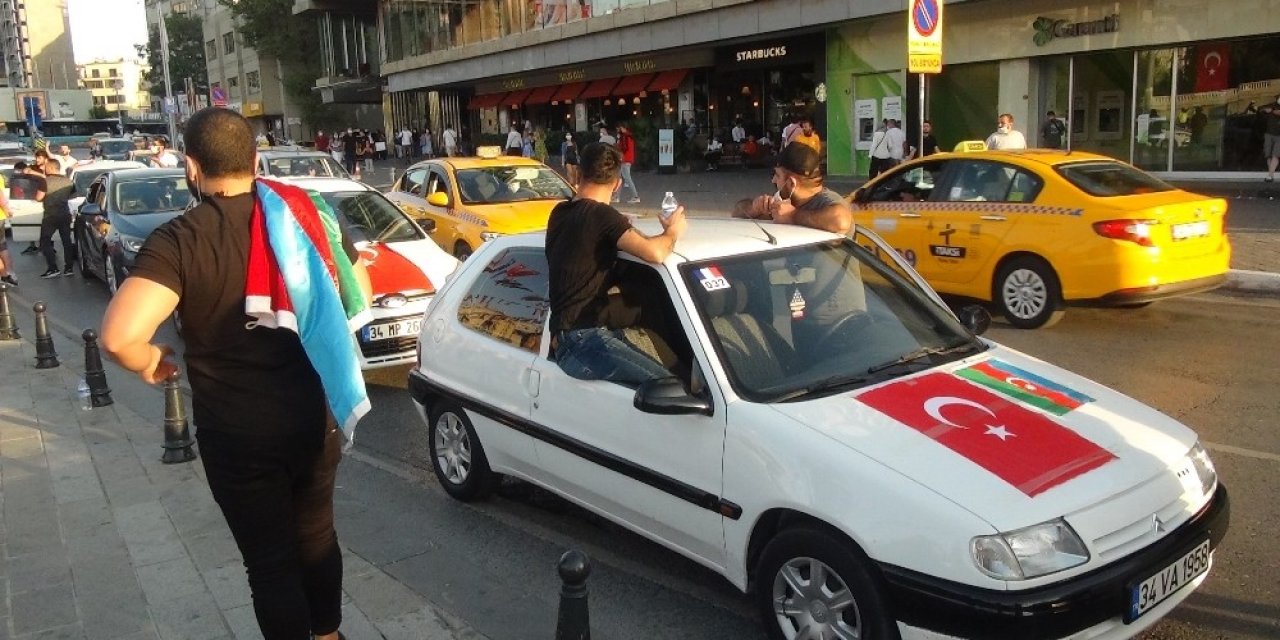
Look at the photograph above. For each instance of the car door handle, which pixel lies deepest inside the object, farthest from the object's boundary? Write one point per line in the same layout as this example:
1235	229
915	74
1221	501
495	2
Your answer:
908	214
532	382
994	218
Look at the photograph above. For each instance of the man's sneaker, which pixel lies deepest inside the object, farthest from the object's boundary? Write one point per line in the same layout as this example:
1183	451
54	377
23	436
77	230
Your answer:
10	280
52	273
69	271
30	250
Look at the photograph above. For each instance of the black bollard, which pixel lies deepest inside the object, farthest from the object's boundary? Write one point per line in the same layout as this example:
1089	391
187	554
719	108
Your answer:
574	621
177	435
46	357
8	327
94	374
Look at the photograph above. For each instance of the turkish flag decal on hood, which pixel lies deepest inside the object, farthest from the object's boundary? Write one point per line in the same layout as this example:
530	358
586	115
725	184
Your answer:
1024	448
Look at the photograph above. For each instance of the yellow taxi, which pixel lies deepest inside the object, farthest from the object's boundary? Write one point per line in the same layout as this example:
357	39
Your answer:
475	199
1035	230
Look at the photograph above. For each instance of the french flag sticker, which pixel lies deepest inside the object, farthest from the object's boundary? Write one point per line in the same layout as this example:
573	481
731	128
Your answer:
711	278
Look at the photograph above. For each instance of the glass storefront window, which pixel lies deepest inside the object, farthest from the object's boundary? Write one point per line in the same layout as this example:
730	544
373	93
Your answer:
1101	98
1151	130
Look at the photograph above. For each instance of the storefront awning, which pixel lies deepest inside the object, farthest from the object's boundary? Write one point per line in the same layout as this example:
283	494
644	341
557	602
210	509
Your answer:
516	98
668	80
598	89
568	91
631	85
541	95
487	101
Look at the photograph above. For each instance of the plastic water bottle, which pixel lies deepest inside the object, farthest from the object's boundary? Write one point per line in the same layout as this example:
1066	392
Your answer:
82	390
669	205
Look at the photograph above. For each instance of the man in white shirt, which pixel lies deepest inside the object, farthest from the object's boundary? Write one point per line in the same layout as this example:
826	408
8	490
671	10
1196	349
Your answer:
450	139
1005	136
406	143
163	158
739	133
881	154
896	140
64	157
607	137
515	142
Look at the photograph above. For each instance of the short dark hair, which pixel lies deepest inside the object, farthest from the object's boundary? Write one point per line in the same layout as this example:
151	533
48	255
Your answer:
600	163
1051	113
222	142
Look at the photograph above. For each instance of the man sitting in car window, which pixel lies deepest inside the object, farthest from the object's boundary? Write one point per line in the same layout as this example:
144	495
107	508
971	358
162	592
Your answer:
584	236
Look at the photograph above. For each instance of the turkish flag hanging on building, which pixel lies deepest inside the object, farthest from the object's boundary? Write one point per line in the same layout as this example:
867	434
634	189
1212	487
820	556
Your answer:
1022	447
1213	66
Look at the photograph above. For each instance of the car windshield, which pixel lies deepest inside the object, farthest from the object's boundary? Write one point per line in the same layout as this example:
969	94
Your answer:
151	195
814	320
317	165
115	146
371	217
489	185
1106	179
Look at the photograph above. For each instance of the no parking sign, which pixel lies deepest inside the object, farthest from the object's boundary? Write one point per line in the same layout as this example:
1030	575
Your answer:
924	36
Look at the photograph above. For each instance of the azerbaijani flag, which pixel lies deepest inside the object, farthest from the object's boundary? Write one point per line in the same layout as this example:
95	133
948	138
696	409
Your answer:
1023	385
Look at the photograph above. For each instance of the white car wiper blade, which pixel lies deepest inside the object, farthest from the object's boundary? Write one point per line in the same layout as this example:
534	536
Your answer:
924	352
826	384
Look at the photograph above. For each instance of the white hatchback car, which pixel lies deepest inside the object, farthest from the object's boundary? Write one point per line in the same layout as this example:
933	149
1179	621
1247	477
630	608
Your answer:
831	437
405	266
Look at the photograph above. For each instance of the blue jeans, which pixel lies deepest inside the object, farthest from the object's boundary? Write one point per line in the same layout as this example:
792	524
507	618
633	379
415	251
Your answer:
628	183
603	354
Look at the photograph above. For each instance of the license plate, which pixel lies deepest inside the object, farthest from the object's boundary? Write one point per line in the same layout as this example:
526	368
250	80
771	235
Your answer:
389	330
1145	595
1191	230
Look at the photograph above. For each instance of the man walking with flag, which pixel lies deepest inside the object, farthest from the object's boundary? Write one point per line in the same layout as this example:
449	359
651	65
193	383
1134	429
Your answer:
268	290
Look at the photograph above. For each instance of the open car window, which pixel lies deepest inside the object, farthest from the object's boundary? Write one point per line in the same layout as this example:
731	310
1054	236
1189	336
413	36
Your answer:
913	184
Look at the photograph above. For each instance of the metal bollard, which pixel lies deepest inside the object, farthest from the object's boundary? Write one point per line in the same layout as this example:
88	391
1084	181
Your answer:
46	357
177	435
8	327
94	374
574	621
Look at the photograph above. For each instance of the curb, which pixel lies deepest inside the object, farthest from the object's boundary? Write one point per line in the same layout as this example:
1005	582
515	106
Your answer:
1259	282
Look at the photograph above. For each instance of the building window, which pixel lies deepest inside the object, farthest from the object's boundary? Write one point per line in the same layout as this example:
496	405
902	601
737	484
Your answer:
229	42
253	81
99	101
211	49
97	73
113	72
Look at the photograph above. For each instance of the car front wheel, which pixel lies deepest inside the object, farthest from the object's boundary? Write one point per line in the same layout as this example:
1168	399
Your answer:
110	274
1028	293
86	270
457	457
811	583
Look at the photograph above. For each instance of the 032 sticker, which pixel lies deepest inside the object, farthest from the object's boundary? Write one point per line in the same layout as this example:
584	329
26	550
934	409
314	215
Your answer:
712	279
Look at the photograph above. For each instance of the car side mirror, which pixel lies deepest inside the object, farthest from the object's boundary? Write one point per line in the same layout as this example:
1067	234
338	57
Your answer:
668	397
438	199
975	318
427	224
90	209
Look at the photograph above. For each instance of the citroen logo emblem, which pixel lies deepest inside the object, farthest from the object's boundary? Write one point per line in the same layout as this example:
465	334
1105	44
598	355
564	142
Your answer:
1156	525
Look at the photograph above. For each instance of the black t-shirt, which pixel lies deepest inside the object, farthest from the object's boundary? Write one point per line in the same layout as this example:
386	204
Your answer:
244	381
582	247
57	197
1273	120
24	186
930	145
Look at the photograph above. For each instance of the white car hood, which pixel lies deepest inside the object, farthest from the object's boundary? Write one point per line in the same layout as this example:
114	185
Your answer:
1143	442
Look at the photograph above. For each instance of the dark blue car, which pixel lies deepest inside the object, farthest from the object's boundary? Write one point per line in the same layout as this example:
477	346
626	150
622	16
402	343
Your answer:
120	210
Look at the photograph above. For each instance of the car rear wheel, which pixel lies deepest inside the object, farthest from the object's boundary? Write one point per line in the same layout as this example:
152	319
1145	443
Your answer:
811	583
1028	293
462	251
457	457
110	274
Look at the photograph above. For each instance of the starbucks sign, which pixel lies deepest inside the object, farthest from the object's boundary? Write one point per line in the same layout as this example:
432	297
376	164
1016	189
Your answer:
1047	29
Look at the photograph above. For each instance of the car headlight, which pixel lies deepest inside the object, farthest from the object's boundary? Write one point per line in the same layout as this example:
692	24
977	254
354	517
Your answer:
1204	467
130	243
489	235
1031	552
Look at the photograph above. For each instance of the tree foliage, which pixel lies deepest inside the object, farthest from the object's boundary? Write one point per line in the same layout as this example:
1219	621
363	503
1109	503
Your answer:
186	55
270	27
99	112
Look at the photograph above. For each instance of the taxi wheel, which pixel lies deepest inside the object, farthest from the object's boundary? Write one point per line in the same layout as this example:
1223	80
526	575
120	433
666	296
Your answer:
462	251
811	583
1028	293
456	455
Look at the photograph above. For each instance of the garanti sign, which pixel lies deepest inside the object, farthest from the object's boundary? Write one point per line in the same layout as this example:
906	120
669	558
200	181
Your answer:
1049	28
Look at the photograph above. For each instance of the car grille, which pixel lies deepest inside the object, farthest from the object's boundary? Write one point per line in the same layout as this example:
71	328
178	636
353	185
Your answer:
390	347
1142	531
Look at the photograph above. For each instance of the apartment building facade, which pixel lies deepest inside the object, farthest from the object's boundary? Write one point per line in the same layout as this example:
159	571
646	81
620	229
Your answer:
119	86
35	45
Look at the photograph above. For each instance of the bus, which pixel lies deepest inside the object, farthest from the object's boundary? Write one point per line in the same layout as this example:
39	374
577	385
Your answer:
69	132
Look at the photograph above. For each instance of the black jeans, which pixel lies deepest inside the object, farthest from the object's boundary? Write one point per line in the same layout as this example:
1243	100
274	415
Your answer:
277	497
62	226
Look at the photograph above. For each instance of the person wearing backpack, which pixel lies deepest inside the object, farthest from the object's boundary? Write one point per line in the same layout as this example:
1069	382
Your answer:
627	145
1052	132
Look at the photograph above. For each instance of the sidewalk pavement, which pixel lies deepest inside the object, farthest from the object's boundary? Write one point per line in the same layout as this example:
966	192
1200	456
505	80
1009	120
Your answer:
100	540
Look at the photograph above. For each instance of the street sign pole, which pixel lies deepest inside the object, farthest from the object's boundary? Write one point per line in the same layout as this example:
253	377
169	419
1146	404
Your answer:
924	48
168	84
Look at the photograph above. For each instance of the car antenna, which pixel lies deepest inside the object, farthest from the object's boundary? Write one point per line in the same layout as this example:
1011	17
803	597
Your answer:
772	240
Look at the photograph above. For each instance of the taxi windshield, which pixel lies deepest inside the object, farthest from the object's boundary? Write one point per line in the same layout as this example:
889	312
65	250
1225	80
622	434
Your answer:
1106	179
369	217
814	320
491	185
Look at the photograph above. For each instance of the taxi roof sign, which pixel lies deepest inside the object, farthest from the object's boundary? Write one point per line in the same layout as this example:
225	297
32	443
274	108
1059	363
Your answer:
970	146
489	153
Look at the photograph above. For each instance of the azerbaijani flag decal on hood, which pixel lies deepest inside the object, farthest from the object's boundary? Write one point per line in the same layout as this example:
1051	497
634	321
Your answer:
1026	449
1025	386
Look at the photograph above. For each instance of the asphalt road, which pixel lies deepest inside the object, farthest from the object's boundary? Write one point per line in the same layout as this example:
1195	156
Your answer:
1206	360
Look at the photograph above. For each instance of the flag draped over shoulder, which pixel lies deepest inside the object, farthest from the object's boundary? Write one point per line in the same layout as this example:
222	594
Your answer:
300	278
